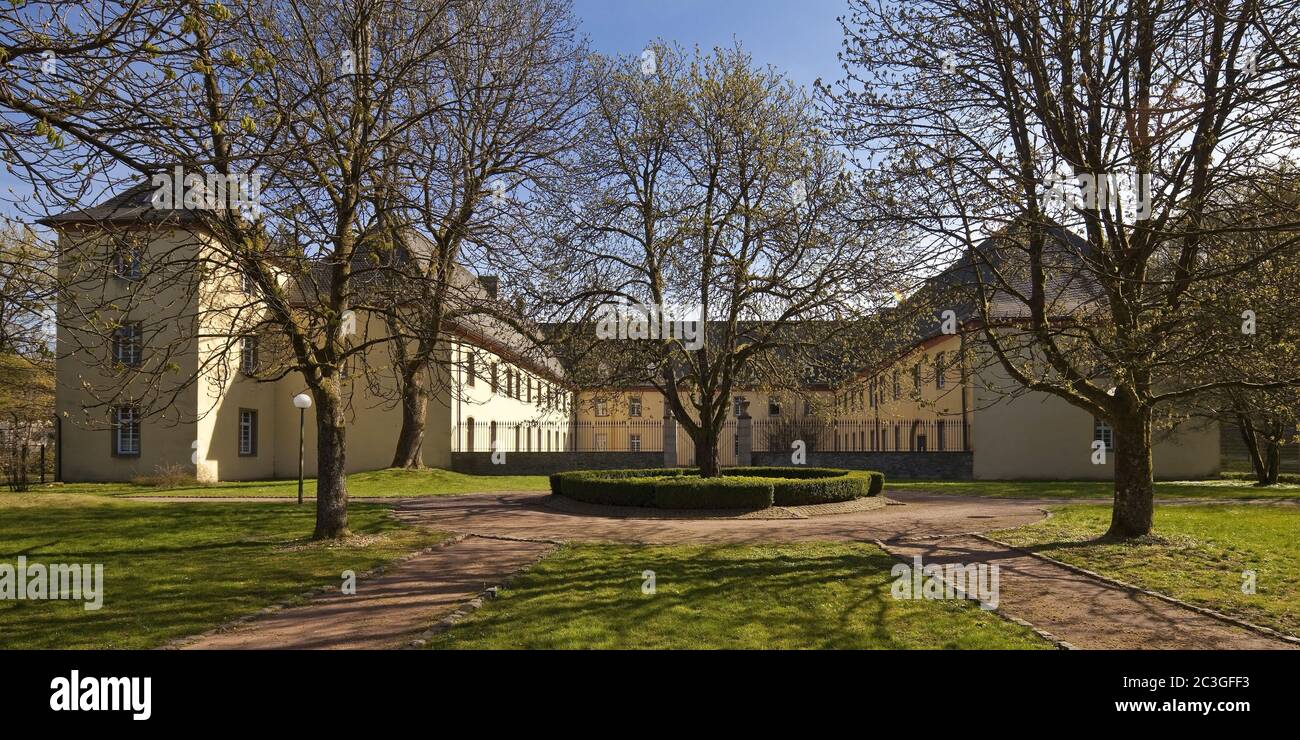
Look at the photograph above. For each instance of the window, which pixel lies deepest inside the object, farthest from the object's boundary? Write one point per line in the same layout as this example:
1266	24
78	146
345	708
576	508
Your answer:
1103	431
602	442
873	389
773	407
126	431
126	261
916	377
496	370
738	405
602	408
529	385
469	369
898	388
247	432
807	407
248	362
635	442
126	344
634	406
469	434
247	284
939	371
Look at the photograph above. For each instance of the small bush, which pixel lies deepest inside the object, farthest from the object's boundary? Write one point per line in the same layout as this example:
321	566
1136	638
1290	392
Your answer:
595	488
797	485
877	482
170	475
793	471
795	492
733	492
741	488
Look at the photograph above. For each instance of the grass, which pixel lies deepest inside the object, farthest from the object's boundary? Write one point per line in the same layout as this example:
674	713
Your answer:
1226	489
391	483
176	569
1198	555
736	597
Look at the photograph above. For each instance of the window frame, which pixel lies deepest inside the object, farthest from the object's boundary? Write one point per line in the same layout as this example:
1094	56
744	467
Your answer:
634	407
115	435
137	343
252	433
127	259
249	350
1103	432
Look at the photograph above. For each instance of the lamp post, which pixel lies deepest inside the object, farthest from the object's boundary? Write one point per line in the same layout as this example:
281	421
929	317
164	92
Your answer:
303	402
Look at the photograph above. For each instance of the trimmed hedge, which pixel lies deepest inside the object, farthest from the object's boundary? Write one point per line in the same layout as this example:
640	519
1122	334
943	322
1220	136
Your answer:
666	488
733	492
741	488
798	486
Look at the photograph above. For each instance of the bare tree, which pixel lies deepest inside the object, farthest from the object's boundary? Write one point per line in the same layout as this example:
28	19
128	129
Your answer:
508	110
1011	120
313	98
707	184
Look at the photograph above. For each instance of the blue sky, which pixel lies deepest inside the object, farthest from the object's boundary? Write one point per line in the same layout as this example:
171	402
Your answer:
798	37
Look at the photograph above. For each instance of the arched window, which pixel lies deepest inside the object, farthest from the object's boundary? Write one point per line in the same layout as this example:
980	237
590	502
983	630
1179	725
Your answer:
940	371
469	434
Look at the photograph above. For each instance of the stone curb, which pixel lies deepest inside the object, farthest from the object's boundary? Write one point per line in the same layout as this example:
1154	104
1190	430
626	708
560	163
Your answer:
1056	641
298	600
474	604
1260	629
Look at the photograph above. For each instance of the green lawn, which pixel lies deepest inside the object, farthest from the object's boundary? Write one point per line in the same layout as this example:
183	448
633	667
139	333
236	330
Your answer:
373	484
1207	489
1197	555
748	597
176	569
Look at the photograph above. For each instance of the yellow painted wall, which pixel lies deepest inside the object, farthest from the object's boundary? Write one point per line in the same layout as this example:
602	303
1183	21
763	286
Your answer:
1041	436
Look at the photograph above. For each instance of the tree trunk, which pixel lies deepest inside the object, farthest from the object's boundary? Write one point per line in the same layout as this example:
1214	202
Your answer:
331	479
1134	486
415	412
1248	436
1273	463
706	452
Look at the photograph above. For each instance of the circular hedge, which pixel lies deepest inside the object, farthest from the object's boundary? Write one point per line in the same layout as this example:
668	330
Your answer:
738	488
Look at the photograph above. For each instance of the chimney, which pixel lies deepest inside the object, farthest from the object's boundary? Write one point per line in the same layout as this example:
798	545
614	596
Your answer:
489	283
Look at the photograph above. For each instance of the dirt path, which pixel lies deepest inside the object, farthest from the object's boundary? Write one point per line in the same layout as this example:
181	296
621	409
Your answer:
389	610
508	531
1080	610
1083	611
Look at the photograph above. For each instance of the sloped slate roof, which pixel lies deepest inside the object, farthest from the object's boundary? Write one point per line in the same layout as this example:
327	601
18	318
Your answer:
132	205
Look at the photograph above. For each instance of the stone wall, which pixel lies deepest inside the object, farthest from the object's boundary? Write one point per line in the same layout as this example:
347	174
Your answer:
895	465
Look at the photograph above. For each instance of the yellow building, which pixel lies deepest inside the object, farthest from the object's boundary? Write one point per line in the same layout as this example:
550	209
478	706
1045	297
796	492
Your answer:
154	372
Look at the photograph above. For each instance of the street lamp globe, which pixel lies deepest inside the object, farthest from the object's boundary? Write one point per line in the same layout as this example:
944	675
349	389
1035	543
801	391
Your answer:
302	401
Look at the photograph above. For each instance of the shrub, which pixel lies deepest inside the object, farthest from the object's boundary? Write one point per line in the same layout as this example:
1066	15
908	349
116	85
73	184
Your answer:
666	488
594	487
877	482
734	492
799	472
795	492
170	475
741	488
797	485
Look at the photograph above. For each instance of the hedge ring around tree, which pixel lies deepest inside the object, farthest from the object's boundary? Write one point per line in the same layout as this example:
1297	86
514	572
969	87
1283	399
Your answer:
738	488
